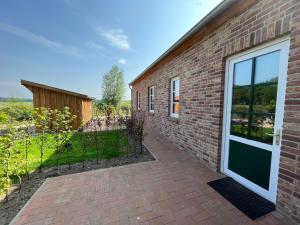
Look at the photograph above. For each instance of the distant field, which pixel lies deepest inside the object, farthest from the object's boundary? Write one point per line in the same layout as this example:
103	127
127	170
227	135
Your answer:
17	111
6	104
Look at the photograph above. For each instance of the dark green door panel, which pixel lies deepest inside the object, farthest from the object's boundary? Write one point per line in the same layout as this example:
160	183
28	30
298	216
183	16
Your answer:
250	162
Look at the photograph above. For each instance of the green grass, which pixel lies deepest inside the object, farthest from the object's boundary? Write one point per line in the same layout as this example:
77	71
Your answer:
108	148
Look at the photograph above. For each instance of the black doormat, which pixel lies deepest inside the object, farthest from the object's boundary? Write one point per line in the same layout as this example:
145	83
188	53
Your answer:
250	203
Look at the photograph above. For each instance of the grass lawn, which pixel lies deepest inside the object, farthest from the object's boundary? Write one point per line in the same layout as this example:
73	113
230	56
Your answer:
107	142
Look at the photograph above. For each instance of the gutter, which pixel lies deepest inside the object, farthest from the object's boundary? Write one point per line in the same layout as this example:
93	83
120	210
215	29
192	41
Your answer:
225	4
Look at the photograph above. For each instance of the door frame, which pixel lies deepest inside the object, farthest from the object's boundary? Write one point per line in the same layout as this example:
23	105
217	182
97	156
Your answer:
283	44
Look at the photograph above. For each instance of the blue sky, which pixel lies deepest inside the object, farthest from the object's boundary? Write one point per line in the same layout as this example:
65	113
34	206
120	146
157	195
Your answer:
70	44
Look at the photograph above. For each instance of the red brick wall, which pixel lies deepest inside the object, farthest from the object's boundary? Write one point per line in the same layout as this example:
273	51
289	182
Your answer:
201	70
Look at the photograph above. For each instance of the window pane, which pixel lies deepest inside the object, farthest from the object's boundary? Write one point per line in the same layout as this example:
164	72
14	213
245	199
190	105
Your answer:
241	99
177	86
261	125
264	98
176	90
266	68
176	108
239	124
175	96
151	98
242	73
241	90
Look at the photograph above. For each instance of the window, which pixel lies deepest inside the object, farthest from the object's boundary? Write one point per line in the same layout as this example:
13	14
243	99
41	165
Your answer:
174	95
151	98
254	96
138	100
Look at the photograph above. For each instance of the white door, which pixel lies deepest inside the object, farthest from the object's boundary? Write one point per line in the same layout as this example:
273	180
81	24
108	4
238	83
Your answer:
255	85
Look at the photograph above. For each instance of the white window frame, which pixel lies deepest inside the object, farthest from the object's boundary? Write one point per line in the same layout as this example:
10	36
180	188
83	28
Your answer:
151	102
138	100
175	115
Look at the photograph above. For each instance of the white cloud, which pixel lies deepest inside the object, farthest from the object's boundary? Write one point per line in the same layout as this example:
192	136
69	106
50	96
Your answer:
41	40
116	38
94	45
122	61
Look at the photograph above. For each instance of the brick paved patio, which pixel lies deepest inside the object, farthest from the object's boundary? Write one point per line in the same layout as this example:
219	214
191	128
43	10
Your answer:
170	190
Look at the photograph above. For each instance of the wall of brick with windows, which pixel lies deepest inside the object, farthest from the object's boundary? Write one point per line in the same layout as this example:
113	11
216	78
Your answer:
198	130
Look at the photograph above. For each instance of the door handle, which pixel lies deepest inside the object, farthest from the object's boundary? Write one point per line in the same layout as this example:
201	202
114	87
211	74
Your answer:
276	135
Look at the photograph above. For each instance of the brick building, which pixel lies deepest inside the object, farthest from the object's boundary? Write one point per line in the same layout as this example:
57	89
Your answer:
228	92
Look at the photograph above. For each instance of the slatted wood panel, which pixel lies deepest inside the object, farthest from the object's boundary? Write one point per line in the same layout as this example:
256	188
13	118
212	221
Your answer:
50	98
86	110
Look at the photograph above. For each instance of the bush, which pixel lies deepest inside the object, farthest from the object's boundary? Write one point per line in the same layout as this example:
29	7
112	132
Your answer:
124	108
18	112
103	109
3	117
100	108
135	127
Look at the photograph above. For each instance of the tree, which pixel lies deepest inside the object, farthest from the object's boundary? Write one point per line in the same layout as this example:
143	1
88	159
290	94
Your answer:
113	86
7	149
84	141
26	139
5	161
42	120
62	129
66	130
96	126
19	164
125	107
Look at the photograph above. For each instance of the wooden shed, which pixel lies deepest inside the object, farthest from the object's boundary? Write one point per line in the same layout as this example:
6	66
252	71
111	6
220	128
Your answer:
55	98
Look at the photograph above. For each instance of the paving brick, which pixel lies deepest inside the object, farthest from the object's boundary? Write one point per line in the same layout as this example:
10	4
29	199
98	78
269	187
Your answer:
190	202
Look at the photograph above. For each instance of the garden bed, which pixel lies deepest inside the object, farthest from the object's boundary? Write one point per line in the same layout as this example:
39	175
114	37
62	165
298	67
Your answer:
17	199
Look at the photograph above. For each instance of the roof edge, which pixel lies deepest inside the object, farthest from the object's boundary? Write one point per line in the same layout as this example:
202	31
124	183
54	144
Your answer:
27	83
221	7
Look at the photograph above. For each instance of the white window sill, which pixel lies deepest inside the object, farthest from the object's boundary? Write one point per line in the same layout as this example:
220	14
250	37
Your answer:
173	119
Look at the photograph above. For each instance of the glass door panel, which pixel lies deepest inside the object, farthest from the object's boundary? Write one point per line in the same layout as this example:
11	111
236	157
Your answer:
254	97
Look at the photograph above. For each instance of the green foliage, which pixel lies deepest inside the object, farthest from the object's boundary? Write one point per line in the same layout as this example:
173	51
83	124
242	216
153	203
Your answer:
260	133
263	99
124	108
3	117
42	121
12	99
104	109
42	118
18	111
7	150
62	128
26	139
100	108
113	86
